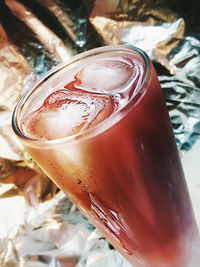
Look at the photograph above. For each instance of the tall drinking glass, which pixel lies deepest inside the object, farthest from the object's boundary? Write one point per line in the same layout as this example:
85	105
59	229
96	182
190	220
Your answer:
99	127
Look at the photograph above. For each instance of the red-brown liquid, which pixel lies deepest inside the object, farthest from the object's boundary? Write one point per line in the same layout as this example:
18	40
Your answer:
128	179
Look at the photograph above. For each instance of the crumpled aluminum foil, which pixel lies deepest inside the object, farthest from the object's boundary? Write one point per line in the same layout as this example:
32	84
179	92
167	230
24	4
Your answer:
39	226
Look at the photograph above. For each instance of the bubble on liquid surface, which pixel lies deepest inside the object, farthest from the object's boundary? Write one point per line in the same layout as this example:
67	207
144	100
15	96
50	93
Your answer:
66	113
107	74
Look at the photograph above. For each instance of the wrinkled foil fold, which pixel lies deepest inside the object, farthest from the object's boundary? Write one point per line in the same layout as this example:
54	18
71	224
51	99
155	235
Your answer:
39	226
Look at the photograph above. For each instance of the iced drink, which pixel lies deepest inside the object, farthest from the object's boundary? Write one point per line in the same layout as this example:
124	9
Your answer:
99	127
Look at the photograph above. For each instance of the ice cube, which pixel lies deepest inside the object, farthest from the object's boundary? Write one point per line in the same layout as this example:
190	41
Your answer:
66	113
106	74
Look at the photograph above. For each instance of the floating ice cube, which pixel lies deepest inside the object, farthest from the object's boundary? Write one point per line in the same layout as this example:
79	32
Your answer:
106	74
66	113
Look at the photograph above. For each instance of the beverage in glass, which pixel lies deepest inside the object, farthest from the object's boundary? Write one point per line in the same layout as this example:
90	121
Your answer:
99	127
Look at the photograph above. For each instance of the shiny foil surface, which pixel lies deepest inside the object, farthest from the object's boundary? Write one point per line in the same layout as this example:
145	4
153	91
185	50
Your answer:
39	226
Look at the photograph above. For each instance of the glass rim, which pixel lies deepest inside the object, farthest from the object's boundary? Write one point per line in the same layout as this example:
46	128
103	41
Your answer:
100	127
